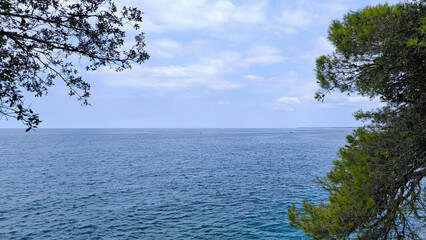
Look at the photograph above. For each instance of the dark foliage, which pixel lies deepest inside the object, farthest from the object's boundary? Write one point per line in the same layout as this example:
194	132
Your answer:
376	184
38	36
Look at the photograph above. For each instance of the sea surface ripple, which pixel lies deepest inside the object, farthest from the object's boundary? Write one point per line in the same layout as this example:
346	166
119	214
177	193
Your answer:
160	183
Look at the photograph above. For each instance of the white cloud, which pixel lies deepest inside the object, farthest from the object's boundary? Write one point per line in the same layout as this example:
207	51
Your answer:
253	77
182	15
288	100
327	105
365	101
337	99
263	50
329	9
264	54
283	103
164	48
295	18
211	72
266	59
223	103
304	14
322	46
206	72
289	30
357	99
290	83
168	48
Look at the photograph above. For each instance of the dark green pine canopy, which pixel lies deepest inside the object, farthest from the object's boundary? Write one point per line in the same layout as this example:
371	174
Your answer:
375	186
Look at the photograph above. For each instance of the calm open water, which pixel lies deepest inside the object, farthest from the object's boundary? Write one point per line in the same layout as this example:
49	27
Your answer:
159	183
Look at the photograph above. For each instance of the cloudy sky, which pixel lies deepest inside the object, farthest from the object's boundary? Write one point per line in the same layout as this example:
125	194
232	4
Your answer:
214	64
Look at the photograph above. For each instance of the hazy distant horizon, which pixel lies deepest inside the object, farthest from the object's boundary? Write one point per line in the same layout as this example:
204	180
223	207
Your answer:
222	128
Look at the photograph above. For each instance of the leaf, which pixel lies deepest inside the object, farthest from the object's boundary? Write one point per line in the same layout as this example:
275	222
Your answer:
412	41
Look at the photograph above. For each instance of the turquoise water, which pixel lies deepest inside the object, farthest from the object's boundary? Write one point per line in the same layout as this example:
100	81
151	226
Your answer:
159	183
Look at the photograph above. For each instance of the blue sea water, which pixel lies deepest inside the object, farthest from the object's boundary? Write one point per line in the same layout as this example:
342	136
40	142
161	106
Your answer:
160	183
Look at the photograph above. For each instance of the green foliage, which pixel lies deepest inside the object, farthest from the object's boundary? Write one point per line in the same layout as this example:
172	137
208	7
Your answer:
375	185
37	36
374	47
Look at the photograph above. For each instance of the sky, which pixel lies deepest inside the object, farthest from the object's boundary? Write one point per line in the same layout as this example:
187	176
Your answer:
216	64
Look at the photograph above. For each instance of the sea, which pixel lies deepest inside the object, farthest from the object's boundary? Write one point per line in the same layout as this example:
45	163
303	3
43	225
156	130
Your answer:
160	183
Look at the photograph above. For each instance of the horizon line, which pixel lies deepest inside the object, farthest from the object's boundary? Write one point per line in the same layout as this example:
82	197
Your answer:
23	128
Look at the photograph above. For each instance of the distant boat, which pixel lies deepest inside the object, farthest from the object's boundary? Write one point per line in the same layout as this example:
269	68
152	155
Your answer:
291	131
